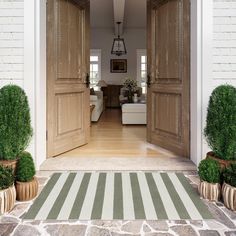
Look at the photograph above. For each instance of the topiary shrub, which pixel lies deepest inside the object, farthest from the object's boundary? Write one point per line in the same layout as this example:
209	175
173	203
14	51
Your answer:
15	127
229	175
209	171
220	130
25	169
6	177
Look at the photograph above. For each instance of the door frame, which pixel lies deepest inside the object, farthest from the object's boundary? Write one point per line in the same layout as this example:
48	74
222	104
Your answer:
35	73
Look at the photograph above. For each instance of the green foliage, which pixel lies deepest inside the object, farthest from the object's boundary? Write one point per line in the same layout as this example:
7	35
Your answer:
209	170
25	169
130	84
229	175
15	127
6	177
220	130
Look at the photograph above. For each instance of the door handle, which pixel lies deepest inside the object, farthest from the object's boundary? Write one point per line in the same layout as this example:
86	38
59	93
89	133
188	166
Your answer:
148	81
87	80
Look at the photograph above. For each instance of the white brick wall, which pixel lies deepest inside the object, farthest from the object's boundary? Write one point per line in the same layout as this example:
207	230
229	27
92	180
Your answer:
224	41
11	42
223	63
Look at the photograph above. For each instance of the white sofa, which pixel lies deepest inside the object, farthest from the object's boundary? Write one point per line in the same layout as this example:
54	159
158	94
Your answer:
134	113
97	100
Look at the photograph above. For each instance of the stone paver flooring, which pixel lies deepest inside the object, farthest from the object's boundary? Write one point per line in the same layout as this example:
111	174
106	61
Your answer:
224	223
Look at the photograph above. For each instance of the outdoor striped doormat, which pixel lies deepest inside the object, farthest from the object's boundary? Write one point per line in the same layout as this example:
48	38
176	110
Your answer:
118	195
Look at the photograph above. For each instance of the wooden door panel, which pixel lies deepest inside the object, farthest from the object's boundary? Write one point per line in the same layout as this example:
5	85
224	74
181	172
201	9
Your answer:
174	56
67	66
74	32
168	113
167	40
162	32
69	41
62	40
69	122
69	126
169	70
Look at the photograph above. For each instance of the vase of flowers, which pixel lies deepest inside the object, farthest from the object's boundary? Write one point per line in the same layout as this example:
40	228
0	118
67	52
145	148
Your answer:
135	98
131	86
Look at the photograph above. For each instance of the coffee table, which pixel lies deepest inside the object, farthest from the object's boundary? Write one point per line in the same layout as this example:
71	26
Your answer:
134	113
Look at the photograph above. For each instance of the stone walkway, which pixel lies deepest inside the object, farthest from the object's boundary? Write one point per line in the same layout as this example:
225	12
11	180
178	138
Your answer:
224	223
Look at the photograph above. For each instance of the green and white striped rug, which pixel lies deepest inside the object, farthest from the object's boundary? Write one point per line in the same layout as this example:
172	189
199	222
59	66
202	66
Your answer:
118	195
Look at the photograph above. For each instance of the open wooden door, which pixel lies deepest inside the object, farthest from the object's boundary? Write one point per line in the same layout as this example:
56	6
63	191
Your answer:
169	74
68	115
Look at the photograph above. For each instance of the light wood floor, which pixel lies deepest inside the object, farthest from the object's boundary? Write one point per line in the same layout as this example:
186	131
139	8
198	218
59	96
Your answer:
109	138
116	147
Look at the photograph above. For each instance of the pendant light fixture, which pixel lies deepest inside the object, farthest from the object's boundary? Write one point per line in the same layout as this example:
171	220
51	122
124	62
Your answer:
118	46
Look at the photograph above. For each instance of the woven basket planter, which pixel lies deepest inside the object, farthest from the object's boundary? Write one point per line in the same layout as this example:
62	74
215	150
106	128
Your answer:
209	191
7	199
26	191
229	196
223	163
9	163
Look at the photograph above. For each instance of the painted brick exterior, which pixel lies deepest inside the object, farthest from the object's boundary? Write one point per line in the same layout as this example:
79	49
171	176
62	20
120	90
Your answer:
11	42
224	40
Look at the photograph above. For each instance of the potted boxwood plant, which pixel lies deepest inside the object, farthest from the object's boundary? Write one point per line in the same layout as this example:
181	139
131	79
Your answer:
220	130
210	176
26	182
229	187
15	127
7	189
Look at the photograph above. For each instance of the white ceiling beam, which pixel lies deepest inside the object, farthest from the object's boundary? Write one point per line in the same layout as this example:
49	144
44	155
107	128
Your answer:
119	12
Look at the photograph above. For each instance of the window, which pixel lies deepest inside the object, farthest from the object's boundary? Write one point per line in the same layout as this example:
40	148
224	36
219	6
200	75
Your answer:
95	67
142	69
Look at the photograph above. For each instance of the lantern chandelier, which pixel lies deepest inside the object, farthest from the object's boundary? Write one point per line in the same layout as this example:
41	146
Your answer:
118	46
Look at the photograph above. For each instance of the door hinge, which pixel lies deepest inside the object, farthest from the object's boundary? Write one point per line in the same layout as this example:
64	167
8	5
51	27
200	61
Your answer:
46	135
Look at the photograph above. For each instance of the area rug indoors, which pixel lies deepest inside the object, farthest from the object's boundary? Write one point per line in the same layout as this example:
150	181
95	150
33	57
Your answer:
118	195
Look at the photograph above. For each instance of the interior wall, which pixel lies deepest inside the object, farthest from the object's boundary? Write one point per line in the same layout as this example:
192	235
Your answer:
102	38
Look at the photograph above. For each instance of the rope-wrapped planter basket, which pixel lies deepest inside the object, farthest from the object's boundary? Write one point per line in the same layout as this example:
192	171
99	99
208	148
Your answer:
26	191
9	163
229	196
7	199
209	191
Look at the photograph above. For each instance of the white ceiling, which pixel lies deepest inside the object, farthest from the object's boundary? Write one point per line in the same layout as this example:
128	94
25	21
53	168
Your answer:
102	14
135	14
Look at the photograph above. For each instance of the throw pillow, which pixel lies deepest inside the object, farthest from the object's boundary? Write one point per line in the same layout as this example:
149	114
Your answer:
126	93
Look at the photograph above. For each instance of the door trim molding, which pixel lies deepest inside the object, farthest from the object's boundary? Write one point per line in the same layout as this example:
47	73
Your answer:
201	73
35	72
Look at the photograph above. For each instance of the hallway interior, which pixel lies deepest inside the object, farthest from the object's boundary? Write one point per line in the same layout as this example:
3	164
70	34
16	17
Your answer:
114	146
